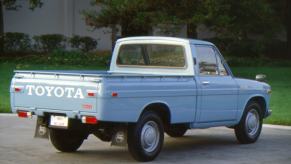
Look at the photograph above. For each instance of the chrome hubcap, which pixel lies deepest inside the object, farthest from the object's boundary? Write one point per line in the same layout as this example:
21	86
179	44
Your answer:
252	122
150	136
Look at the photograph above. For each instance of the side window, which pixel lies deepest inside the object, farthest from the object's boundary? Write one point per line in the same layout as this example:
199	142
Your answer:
221	68
206	60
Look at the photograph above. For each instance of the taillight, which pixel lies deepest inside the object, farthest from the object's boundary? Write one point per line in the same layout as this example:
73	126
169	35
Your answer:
89	120
24	114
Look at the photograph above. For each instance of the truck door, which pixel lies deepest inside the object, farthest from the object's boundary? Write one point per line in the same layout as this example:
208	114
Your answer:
217	90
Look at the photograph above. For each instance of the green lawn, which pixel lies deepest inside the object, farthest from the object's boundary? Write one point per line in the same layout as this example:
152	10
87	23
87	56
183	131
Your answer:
280	80
278	77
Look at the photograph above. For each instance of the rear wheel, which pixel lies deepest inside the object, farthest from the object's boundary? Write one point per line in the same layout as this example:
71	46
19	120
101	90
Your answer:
250	126
176	130
66	140
146	137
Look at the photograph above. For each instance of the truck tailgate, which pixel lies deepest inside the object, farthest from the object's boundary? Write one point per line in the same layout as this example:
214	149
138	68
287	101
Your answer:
54	91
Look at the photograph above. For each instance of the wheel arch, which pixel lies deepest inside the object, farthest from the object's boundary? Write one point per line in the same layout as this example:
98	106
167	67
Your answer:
260	99
161	108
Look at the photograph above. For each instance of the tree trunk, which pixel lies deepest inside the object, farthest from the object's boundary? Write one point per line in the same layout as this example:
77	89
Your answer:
114	31
1	29
288	28
128	30
191	30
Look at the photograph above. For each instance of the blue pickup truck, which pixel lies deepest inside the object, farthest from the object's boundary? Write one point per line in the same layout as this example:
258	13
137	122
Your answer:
154	85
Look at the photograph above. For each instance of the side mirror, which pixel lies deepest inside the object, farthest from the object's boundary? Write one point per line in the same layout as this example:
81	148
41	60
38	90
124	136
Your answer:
261	77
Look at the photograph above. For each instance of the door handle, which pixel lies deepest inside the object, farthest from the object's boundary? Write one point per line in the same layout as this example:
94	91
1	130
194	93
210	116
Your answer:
205	82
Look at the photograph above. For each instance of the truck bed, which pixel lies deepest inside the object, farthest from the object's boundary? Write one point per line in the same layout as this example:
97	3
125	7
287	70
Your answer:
90	73
66	72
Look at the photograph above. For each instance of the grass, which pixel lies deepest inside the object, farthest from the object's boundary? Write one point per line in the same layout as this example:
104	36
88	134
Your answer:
280	80
278	77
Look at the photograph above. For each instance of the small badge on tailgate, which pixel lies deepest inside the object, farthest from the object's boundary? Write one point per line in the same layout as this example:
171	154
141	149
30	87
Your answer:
87	106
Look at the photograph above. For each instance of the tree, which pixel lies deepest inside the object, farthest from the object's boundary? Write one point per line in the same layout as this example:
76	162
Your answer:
13	5
245	24
132	16
244	27
282	9
139	16
288	27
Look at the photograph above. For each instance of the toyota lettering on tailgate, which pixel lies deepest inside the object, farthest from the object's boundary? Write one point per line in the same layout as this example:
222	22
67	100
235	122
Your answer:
49	91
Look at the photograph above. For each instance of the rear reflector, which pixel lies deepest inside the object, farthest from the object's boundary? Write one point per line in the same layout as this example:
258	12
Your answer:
91	94
89	120
114	94
24	114
16	89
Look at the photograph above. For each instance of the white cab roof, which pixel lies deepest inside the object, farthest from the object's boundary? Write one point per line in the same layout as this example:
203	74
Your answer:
185	40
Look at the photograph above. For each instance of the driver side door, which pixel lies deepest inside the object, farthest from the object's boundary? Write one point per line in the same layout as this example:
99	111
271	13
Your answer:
217	90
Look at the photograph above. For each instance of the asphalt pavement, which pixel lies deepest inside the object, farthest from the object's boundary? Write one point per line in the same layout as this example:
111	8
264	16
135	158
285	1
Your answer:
203	146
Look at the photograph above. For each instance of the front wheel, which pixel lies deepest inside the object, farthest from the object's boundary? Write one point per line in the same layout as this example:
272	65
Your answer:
66	140
250	126
146	137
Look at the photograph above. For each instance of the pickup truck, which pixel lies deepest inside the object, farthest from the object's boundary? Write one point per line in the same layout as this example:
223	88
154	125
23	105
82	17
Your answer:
154	85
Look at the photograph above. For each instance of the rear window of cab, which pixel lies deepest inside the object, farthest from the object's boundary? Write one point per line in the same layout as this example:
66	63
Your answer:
151	55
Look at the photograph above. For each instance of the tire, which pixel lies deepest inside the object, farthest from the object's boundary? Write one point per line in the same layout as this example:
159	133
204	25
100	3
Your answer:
177	130
250	126
66	140
146	137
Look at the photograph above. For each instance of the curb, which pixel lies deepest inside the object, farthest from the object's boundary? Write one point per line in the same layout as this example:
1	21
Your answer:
282	127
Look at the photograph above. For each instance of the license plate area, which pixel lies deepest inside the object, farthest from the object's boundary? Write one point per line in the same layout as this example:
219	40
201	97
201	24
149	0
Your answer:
58	121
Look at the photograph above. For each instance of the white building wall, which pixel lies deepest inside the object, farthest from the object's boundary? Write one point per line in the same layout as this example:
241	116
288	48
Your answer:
55	17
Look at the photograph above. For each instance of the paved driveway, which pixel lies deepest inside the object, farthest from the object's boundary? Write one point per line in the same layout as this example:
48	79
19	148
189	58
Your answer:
215	145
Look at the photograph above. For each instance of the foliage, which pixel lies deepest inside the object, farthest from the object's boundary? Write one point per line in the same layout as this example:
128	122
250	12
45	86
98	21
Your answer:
245	48
84	43
21	43
16	42
245	25
49	42
60	57
13	5
257	62
138	17
78	58
133	16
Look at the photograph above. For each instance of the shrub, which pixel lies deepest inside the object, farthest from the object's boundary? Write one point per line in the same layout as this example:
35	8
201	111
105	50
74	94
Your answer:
49	42
276	49
239	48
72	57
84	43
16	42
